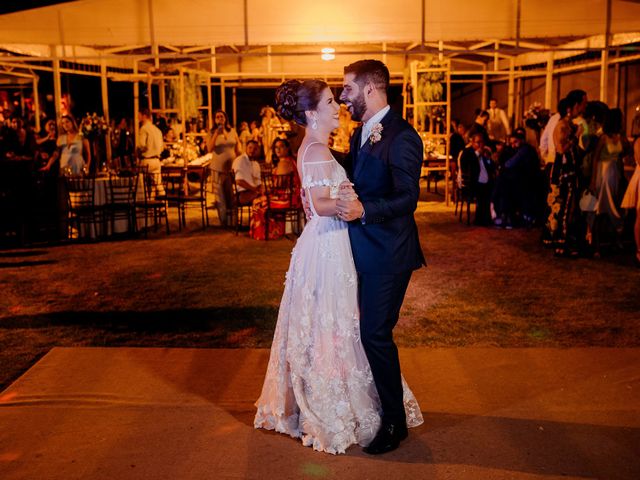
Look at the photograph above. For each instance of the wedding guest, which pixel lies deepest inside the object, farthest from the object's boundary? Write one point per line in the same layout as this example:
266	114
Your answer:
631	198
122	144
562	223
269	130
18	141
477	172
282	158
244	136
517	185
608	174
480	126
75	153
47	145
497	124
223	143
247	173
150	146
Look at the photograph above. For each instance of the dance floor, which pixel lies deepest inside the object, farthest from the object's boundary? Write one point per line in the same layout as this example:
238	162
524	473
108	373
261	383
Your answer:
150	413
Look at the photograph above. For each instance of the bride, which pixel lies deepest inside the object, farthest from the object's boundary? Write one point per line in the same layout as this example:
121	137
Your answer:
318	385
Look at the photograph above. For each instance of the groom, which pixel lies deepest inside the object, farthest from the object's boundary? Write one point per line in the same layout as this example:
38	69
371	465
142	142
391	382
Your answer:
384	165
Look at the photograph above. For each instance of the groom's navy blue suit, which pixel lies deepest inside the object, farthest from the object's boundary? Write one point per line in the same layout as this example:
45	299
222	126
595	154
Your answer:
385	245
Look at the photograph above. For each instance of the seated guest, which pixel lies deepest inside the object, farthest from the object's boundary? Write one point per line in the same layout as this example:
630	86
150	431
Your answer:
282	157
477	173
19	141
518	183
247	173
457	142
47	147
480	125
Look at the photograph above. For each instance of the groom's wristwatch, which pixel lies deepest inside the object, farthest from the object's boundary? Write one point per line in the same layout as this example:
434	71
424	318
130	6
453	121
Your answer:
362	217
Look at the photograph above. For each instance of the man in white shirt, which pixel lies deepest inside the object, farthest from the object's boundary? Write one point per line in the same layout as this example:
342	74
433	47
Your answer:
247	173
498	124
150	145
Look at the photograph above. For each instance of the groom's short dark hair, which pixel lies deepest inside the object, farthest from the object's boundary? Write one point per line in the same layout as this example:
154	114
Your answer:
373	71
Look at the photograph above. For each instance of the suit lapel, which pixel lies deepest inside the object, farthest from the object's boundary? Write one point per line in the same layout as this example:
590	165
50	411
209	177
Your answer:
364	153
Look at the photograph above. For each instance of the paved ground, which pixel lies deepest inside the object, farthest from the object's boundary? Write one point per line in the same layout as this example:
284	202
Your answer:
490	413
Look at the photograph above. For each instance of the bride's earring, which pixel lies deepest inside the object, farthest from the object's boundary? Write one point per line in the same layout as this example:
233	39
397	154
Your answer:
314	125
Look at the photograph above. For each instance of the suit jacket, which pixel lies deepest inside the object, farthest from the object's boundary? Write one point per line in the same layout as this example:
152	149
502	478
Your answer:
470	168
386	176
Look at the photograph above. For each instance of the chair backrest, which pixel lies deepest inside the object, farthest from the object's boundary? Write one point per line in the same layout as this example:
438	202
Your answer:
122	187
80	191
199	174
173	180
281	188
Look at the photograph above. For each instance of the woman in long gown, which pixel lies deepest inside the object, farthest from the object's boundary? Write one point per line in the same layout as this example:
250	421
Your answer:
607	179
631	198
318	385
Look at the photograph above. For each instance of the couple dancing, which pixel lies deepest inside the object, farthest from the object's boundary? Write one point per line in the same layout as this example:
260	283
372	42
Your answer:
333	377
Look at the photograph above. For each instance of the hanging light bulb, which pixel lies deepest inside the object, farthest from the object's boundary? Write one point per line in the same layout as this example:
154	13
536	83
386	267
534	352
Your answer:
328	53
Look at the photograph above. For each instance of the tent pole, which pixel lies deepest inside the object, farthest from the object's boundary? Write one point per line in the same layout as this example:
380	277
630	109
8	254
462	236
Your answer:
105	107
36	102
510	100
234	107
548	84
223	100
604	57
57	84
183	115
485	85
447	171
136	103
209	109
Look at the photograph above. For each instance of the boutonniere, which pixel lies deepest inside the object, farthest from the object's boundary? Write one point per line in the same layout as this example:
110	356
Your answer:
376	133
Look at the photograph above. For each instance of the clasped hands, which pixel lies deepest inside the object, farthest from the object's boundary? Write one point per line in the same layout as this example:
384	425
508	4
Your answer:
348	207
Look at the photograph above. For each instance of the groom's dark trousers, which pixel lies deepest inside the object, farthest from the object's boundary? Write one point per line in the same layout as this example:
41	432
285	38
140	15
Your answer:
385	245
380	299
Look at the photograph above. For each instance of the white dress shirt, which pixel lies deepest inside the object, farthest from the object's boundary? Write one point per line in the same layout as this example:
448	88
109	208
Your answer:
483	177
150	140
366	128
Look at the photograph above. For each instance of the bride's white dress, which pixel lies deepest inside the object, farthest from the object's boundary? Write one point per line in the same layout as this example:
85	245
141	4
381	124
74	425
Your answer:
318	385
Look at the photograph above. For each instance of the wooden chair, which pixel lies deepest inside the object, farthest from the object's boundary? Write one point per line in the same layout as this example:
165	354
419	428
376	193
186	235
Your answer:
121	199
238	209
463	195
83	211
196	192
151	203
282	201
174	182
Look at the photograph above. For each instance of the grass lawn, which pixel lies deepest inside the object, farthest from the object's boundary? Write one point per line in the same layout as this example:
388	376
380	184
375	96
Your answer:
204	289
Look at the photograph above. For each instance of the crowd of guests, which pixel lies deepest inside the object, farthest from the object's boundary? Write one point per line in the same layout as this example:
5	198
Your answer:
565	174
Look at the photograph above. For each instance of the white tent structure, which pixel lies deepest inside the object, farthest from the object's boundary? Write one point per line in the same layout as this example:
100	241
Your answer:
239	43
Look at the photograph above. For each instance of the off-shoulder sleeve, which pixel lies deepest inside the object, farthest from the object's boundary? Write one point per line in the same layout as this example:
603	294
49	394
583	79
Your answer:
318	174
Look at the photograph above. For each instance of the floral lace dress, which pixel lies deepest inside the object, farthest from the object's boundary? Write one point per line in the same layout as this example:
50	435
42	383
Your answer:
318	385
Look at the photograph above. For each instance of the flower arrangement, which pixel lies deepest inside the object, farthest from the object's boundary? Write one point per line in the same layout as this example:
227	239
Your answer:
376	133
93	126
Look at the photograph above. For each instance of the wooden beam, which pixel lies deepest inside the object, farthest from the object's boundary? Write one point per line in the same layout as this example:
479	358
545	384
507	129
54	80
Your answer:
604	56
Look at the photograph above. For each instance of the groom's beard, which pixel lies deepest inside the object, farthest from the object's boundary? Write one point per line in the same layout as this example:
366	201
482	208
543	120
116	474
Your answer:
358	106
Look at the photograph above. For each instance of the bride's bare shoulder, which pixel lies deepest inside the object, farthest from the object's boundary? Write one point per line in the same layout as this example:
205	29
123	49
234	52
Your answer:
315	152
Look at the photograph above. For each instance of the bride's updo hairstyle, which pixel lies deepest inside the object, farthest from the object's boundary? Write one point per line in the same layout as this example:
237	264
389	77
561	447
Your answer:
293	98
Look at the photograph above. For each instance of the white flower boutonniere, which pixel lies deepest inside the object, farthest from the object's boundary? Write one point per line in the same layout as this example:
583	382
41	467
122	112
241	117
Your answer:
376	133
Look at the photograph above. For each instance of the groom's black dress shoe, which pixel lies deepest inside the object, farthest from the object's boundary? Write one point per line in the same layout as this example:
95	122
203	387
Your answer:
387	439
